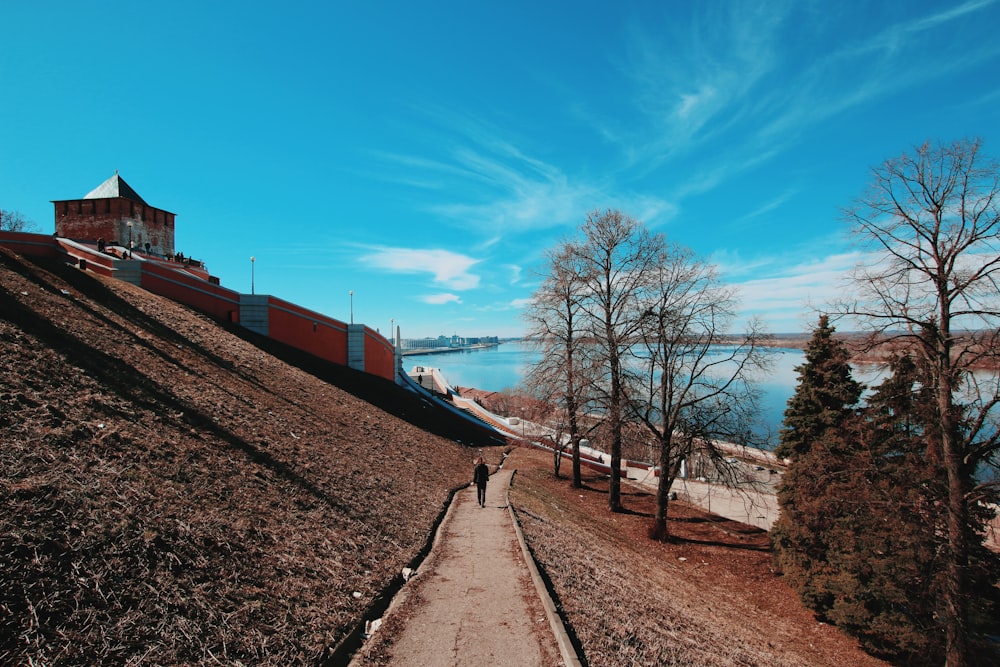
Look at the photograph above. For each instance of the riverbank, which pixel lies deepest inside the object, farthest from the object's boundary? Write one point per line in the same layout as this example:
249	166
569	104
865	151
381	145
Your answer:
444	350
866	350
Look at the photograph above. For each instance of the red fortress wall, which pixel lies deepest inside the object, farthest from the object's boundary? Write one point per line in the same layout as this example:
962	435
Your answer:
204	295
380	355
317	334
305	330
34	245
327	338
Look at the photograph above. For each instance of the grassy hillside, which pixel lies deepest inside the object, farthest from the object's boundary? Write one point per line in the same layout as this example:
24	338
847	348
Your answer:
172	493
709	597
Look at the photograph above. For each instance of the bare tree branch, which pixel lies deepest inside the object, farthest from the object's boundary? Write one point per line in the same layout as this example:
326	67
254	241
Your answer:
932	225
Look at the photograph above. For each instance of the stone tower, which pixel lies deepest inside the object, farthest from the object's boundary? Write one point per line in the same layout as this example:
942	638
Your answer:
113	211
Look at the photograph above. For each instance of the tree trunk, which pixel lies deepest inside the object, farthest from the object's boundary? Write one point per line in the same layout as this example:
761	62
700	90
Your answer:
577	475
614	413
955	600
660	530
614	421
615	485
574	432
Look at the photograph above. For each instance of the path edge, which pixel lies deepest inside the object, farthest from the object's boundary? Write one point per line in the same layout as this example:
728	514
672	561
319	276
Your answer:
566	650
402	595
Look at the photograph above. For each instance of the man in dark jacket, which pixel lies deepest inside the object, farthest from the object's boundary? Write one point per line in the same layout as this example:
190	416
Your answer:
480	477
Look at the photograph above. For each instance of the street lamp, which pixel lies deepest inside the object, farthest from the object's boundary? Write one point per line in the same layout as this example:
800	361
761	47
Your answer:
392	330
129	223
351	293
252	260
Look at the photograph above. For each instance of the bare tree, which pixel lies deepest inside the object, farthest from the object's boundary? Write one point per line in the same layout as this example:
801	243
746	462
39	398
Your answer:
15	221
615	260
692	384
931	220
554	322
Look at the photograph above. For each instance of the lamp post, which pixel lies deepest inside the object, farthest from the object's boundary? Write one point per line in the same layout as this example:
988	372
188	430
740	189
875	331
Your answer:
392	330
351	293
252	260
129	223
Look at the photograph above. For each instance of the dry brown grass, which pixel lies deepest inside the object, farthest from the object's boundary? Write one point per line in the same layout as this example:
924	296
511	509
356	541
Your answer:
172	494
708	598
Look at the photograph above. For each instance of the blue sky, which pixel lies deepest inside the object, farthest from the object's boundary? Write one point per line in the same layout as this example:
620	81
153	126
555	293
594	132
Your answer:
425	155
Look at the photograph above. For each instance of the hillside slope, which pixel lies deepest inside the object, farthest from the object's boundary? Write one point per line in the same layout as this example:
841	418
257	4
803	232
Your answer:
708	597
171	493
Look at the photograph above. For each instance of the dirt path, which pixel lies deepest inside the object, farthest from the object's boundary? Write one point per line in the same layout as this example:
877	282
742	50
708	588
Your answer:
473	601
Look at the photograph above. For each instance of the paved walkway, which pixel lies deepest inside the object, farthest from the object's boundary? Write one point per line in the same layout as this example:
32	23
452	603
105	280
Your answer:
748	505
476	601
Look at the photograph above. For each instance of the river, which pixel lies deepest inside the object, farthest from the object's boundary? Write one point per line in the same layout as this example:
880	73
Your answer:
504	366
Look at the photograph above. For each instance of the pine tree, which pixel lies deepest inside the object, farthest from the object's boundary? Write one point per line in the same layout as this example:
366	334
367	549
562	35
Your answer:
813	435
930	222
884	552
862	537
824	394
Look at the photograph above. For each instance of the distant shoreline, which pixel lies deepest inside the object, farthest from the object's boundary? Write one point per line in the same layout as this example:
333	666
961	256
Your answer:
442	350
859	345
863	351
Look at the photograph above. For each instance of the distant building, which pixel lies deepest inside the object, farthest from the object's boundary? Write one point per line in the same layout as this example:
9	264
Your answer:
445	342
424	343
113	211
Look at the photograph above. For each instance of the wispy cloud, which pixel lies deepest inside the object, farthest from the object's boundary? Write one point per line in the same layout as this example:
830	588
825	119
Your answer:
446	268
894	35
417	172
505	306
440	299
865	70
765	208
729	88
515	273
693	81
792	293
495	184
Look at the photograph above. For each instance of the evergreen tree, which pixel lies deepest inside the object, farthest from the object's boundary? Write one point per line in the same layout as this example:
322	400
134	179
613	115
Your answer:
862	537
884	550
813	435
824	394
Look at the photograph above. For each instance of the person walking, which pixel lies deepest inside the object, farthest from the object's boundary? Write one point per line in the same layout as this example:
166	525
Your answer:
480	476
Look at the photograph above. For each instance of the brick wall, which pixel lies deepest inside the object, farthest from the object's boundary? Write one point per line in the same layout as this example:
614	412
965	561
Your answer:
92	219
294	325
307	330
380	357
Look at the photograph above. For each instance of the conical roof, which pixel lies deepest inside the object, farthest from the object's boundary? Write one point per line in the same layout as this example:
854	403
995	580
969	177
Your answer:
115	187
